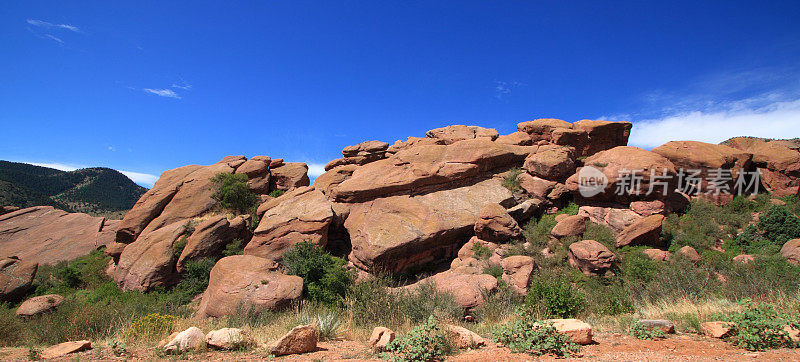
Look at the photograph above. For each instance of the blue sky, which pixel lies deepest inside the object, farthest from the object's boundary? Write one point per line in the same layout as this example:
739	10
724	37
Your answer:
147	86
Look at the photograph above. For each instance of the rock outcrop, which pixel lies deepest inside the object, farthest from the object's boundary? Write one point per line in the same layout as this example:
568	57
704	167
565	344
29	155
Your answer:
468	289
16	277
250	283
791	251
778	164
39	305
591	257
496	225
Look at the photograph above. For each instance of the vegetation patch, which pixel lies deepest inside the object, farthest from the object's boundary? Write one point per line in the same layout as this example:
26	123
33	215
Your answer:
535	337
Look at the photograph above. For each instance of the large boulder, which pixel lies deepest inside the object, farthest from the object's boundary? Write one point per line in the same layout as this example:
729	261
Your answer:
602	135
150	261
301	339
249	282
542	129
468	289
63	349
707	158
452	134
551	162
778	164
289	176
617	219
333	177
257	171
396	232
591	257
791	251
16	277
209	239
45	235
572	225
646	231
517	272
630	172
38	305
516	138
362	153
380	338
463	338
191	339
427	167
577	330
303	214
496	225
229	339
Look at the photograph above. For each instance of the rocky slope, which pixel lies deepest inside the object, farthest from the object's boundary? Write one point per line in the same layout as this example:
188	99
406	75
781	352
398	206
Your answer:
96	191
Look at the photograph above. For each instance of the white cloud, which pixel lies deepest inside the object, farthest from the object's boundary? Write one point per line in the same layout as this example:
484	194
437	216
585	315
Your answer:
502	89
169	93
45	24
315	169
54	38
778	119
182	85
57	166
142	179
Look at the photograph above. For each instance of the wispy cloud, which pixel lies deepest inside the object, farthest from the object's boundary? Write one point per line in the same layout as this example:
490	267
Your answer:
182	85
49	25
57	39
502	89
141	179
761	102
169	93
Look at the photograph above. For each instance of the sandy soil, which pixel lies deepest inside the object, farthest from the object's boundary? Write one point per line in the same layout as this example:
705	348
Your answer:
607	347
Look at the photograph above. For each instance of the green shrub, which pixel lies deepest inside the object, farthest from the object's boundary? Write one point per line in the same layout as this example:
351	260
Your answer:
178	246
11	327
537	232
779	225
425	342
637	267
494	270
511	181
87	271
607	296
325	278
277	193
194	281
760	327
535	337
232	193
571	209
679	279
235	247
150	327
641	331
481	252
600	233
792	203
554	296
425	300
499	305
328	323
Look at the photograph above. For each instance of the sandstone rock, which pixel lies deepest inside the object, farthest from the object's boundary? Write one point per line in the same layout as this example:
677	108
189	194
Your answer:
40	304
617	219
542	129
289	176
452	134
647	208
411	142
517	272
551	162
424	167
572	225
303	214
380	338
233	161
717	329
651	169
662	324
246	281
468	289
301	339
743	258
190	339
7	209
152	203
778	165
16	277
229	339
63	349
496	225
578	331
603	135
591	257
657	254
257	170
576	138
516	138
149	261
463	338
524	210
693	155
393	233
646	231
791	251
561	217
362	153
209	239
45	235
333	177
689	253
536	186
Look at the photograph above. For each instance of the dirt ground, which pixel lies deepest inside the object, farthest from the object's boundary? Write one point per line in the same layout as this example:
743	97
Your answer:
607	347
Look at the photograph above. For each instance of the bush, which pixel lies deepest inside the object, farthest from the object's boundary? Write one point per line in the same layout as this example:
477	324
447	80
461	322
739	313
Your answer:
87	271
759	327
481	252
554	296
637	267
425	342
600	233
277	193
150	327
425	300
535	337
537	232
494	270
235	247
327	322
511	181
571	209
607	296
325	278
779	225
194	281
232	193
641	331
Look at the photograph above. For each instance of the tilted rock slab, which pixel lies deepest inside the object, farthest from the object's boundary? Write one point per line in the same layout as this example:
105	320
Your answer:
301	339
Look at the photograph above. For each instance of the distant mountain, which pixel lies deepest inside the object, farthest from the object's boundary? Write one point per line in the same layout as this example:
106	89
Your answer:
96	191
